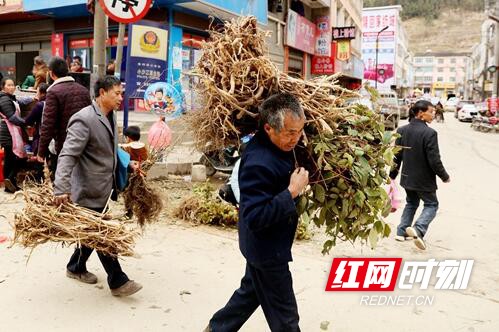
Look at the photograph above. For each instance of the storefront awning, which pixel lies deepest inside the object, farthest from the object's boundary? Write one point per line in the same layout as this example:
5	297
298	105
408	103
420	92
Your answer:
226	10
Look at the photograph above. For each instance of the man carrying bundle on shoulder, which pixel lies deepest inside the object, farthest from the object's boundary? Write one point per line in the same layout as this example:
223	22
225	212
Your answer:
269	183
86	175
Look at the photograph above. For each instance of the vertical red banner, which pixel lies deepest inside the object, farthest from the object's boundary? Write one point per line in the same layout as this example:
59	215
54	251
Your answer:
58	44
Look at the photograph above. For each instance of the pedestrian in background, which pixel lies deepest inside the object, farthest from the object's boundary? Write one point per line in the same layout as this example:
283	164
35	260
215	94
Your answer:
420	159
11	135
29	81
41	71
64	98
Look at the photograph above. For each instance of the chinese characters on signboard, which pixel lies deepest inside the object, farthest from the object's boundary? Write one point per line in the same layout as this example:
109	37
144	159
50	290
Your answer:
344	33
323	37
300	33
147	57
324	65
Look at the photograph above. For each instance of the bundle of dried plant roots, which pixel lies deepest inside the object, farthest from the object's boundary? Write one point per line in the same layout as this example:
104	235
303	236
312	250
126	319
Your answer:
344	146
41	221
143	200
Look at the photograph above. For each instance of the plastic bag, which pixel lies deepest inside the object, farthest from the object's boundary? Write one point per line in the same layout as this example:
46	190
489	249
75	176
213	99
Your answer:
159	136
394	195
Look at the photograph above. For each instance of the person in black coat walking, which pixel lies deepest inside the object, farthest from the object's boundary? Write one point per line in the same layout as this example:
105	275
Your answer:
421	164
269	183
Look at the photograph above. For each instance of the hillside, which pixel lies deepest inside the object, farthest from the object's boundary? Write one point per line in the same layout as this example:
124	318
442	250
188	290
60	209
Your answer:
453	31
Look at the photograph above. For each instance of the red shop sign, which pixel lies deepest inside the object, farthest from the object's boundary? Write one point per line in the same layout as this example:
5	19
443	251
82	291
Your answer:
58	44
78	43
324	65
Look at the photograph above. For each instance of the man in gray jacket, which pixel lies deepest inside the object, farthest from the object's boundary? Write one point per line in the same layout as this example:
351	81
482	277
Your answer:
86	175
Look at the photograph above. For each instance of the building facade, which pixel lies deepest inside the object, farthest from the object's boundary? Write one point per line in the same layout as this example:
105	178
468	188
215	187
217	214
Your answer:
441	74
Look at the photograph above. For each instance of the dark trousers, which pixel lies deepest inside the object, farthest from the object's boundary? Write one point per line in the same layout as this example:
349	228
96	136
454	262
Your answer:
78	264
270	287
11	164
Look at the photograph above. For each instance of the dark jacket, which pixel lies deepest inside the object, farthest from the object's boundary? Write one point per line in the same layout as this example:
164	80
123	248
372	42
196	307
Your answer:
8	108
34	118
421	158
64	98
267	215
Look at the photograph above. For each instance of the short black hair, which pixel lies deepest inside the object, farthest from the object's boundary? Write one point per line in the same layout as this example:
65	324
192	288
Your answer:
421	106
107	83
43	87
273	108
133	132
159	90
77	58
4	81
59	67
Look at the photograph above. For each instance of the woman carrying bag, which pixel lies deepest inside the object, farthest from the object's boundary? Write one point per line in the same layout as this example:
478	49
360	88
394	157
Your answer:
11	134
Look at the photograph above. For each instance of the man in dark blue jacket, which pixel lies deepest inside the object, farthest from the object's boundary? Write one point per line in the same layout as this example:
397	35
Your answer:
269	183
421	165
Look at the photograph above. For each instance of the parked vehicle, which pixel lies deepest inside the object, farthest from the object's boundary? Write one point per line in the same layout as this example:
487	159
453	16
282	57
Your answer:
389	109
451	104
460	105
467	112
404	109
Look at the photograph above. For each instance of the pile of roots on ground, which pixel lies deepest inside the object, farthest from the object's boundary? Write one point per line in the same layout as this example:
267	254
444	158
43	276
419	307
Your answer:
140	197
203	207
41	221
344	146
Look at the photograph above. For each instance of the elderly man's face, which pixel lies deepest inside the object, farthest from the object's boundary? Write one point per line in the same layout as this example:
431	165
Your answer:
286	138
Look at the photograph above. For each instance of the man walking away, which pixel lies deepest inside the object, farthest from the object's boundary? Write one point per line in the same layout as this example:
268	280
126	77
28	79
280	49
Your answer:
421	164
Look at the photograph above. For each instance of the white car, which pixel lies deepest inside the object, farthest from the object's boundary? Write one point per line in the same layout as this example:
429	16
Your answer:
450	104
467	112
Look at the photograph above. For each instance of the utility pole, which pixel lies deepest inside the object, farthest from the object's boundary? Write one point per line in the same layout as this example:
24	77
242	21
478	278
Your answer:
119	52
100	36
496	52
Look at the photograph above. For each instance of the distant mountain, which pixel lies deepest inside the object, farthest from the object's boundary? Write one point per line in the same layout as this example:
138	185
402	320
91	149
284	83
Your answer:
439	25
454	31
429	9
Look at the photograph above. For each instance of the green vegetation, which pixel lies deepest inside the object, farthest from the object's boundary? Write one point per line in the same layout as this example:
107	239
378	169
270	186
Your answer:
430	9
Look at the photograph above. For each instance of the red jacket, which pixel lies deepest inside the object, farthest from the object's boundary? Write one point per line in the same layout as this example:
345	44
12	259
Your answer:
64	98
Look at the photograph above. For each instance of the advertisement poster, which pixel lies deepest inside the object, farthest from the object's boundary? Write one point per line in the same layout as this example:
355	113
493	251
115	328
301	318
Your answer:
163	99
374	21
343	52
300	33
323	37
58	44
147	57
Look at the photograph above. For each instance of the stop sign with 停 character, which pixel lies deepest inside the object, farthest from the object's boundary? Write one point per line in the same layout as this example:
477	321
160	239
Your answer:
125	11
